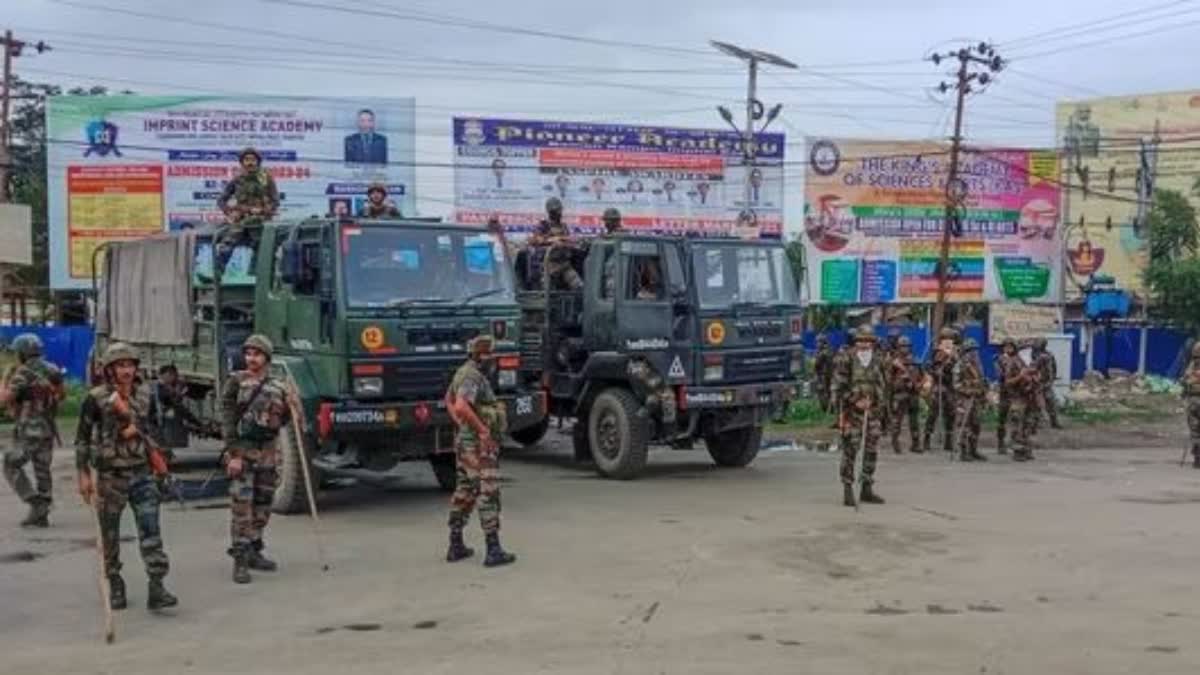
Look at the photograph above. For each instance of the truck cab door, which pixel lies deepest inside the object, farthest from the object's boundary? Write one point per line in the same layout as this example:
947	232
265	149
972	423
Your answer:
305	325
645	307
599	288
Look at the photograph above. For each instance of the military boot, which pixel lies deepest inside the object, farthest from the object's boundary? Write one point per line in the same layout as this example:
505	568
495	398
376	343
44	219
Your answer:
848	496
255	560
39	512
976	456
896	447
241	565
458	550
964	455
868	496
1001	449
925	443
496	556
116	592
916	446
1196	456
158	596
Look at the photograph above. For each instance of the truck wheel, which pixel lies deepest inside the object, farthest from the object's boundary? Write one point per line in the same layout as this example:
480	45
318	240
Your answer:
618	436
290	495
735	448
445	470
531	435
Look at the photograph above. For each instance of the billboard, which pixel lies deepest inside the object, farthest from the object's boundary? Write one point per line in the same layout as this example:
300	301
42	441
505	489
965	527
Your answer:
123	167
661	179
874	214
1123	149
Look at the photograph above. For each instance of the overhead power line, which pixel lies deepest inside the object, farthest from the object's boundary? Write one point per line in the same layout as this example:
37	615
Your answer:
1093	24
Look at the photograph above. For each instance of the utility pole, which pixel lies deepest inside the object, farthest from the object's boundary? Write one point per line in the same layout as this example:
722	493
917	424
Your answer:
755	110
12	49
984	55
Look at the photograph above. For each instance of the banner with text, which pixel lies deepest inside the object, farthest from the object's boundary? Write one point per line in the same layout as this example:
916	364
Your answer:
124	167
874	213
1021	322
661	179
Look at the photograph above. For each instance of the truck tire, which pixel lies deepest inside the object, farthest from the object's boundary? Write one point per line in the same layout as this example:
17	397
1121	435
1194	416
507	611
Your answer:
531	435
445	469
618	436
734	448
290	495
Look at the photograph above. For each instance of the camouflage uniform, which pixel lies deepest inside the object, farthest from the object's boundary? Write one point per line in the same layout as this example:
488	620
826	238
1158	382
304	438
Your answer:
823	371
33	392
253	410
384	209
255	199
655	392
1191	396
942	403
1019	383
1047	369
858	384
904	379
557	271
1002	413
970	388
478	471
123	476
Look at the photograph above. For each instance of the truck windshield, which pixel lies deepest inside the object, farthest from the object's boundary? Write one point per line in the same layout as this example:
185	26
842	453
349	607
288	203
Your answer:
733	274
396	267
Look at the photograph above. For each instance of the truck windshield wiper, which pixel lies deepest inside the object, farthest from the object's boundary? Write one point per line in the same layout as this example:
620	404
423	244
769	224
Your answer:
481	294
404	302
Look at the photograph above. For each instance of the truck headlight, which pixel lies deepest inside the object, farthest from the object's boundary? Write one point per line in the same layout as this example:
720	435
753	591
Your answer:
714	371
368	386
506	379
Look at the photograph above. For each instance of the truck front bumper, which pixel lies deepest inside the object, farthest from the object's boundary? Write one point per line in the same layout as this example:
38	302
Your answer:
348	419
768	394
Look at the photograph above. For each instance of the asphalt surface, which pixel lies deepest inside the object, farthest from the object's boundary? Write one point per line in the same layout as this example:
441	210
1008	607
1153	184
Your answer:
1084	561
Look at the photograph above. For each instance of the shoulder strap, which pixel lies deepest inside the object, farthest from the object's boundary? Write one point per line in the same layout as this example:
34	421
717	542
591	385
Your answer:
241	410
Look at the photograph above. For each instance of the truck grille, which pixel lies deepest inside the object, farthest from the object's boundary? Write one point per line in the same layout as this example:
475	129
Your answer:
757	366
426	378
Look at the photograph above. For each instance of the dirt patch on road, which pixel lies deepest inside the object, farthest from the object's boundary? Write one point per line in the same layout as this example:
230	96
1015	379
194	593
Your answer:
853	550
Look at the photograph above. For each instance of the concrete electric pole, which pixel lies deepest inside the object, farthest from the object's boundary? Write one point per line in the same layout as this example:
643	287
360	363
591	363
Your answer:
754	111
12	49
983	55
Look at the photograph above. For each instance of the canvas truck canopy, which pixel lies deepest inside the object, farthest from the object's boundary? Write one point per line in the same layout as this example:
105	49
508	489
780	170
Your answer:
145	290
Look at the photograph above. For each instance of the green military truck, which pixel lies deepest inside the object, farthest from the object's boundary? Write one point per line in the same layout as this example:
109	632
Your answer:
369	320
717	323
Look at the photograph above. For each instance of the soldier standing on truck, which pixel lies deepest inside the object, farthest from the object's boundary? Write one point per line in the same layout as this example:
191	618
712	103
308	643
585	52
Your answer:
378	205
32	392
612	221
254	406
970	388
904	379
481	422
557	271
248	200
1047	368
113	440
861	396
1191	396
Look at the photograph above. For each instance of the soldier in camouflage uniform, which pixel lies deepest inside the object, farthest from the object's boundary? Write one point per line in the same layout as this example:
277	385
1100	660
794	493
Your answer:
557	271
1018	382
970	389
248	200
115	461
481	422
942	404
612	221
254	407
378	205
860	392
1191	396
1008	352
1047	368
904	379
823	371
32	392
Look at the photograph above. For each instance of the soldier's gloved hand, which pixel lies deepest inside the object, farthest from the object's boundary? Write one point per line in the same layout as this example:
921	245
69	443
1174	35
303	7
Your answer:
234	467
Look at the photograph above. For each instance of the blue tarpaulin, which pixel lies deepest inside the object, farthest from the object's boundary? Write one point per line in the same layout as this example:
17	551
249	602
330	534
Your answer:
66	346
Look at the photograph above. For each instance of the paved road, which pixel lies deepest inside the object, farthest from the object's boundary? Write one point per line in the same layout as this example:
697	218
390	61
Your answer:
1083	562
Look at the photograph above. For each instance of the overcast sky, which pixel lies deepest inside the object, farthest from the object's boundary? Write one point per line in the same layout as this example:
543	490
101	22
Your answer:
864	73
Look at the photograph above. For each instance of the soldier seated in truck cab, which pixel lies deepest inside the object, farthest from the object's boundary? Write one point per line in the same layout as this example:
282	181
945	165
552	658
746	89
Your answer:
649	279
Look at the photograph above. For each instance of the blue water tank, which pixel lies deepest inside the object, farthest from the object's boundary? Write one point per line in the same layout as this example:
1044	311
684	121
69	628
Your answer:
1104	299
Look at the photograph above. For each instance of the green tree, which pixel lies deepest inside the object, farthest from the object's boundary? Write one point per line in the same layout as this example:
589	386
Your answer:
1173	272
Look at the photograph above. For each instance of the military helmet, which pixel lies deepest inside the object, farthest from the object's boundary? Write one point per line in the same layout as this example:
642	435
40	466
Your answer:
1008	341
822	339
904	341
1041	343
249	150
553	204
27	345
865	334
260	342
481	343
377	187
947	333
117	352
970	345
611	214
